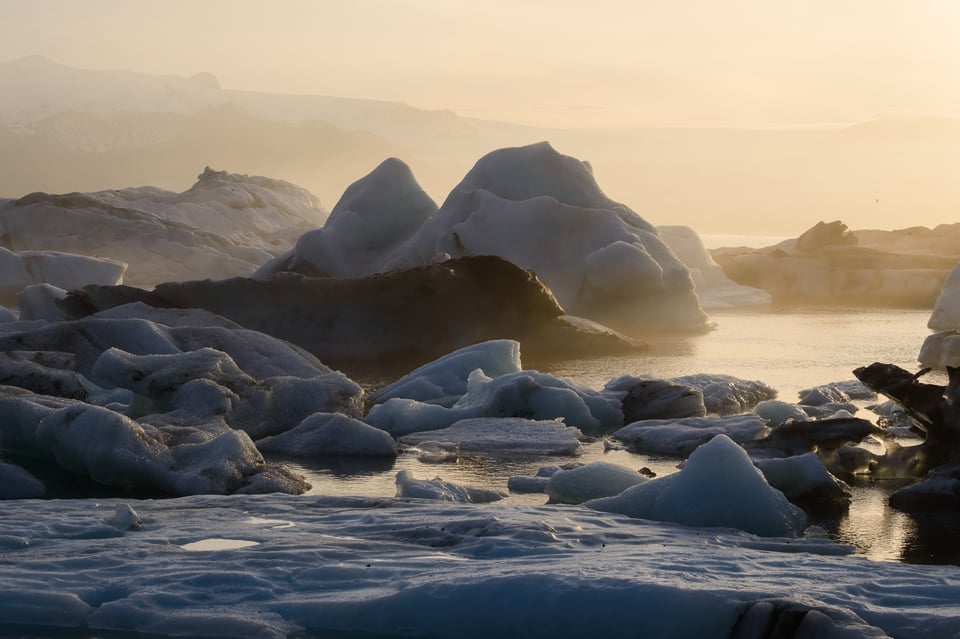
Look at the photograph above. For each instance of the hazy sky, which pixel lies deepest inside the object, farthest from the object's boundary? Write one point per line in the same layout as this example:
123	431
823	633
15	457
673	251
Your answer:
595	63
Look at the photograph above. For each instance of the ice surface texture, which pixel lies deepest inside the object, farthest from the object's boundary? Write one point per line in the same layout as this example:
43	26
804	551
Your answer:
428	568
136	403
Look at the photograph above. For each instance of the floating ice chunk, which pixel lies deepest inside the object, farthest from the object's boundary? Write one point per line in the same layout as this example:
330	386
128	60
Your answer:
499	436
541	396
654	398
115	450
408	486
19	483
825	435
208	382
805	481
331	434
528	394
715	290
718	487
6	315
404	416
835	393
828	410
728	395
444	380
590	481
777	412
680	437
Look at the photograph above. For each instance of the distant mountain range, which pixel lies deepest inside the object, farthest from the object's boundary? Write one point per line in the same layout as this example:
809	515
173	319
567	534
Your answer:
65	129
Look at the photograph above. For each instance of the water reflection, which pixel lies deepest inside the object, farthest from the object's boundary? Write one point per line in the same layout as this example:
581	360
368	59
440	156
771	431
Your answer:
872	527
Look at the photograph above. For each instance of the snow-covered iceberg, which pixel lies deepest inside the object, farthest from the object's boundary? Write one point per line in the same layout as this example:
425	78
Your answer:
223	226
532	206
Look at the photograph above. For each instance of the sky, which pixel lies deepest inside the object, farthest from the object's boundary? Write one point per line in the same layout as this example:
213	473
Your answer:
569	63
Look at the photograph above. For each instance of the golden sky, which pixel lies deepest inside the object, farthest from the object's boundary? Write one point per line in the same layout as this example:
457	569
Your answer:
598	63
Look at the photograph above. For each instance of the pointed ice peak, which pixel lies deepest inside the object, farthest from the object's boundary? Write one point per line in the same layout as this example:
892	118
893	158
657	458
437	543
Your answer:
391	182
526	172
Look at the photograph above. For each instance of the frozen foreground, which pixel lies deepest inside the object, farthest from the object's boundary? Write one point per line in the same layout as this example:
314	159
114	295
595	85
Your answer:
275	566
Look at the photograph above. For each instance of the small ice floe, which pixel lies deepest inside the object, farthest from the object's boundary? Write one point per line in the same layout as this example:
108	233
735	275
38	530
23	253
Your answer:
433	452
645	397
805	482
528	394
124	517
726	394
717	487
536	483
590	481
778	412
331	435
680	437
824	436
444	380
410	487
507	436
835	393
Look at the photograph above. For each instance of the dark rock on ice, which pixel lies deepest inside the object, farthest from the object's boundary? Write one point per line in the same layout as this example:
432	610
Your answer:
404	317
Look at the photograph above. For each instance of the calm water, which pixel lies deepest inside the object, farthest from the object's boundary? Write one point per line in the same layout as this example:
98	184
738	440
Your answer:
788	349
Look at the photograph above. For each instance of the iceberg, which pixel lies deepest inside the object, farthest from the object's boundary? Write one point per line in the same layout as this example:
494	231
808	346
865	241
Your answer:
528	393
522	204
590	481
24	268
680	437
225	225
714	289
717	487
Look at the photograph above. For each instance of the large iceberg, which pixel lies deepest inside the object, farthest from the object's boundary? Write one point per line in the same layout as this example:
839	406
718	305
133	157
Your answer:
828	264
224	225
532	206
